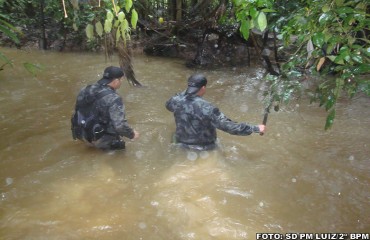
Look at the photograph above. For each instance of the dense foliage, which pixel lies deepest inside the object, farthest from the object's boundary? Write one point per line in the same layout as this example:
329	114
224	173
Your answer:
328	38
332	40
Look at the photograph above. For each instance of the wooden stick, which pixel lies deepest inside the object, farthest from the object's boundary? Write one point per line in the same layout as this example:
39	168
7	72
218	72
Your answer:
65	11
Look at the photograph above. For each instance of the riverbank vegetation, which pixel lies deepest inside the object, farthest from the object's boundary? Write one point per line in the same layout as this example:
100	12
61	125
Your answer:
294	40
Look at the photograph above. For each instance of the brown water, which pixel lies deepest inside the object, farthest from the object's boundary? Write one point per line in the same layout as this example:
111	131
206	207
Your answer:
295	178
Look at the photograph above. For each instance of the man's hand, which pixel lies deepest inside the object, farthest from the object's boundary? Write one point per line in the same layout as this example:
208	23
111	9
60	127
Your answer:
262	129
136	135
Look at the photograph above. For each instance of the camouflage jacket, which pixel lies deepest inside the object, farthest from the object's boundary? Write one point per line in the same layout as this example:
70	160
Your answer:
197	120
109	109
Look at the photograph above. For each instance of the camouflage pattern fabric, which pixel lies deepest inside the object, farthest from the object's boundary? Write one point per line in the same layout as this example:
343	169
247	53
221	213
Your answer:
109	109
197	121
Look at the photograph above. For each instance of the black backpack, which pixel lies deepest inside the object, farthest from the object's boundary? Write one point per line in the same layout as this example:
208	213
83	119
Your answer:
84	122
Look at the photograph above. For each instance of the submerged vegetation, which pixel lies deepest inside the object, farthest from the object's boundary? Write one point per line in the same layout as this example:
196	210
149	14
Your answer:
328	39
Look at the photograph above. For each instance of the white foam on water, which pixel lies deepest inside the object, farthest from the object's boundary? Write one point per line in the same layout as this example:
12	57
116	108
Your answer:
239	193
103	227
139	154
192	156
142	225
9	181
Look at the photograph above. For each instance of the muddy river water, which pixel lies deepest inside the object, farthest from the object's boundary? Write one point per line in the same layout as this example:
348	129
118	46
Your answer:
297	178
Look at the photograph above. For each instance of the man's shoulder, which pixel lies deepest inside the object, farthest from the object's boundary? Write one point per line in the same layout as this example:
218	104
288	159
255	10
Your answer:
109	96
100	93
90	89
201	100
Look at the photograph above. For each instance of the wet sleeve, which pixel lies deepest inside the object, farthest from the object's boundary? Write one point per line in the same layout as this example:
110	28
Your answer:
225	124
173	102
169	105
118	119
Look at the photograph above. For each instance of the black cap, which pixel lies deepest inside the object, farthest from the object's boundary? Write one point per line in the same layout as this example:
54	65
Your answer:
195	83
111	73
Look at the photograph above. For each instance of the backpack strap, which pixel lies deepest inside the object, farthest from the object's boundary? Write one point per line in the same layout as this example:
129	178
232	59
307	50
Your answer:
102	94
98	96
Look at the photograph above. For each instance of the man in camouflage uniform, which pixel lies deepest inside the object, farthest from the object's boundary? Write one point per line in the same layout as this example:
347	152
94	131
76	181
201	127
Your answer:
101	102
197	120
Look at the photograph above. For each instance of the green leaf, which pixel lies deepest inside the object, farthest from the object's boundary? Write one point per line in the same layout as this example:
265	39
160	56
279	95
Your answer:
344	10
110	16
128	5
5	59
107	26
134	18
357	58
33	68
361	6
344	50
329	102
330	119
364	86
339	2
326	8
347	58
327	37
118	34
318	39
346	75
9	26
339	60
253	12
121	16
244	28
331	57
99	28
124	27
9	33
325	17
89	31
339	82
262	21
268	10
238	2
361	69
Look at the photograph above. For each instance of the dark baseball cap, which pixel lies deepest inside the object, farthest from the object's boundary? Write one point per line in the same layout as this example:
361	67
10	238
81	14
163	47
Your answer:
195	83
111	73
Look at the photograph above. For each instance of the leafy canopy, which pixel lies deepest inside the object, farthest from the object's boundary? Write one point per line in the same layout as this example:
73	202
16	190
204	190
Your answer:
115	20
329	39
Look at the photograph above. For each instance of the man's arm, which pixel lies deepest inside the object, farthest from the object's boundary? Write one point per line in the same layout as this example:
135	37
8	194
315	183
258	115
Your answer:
169	105
118	119
227	125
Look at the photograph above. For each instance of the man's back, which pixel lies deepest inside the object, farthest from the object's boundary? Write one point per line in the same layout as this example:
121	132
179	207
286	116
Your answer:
193	117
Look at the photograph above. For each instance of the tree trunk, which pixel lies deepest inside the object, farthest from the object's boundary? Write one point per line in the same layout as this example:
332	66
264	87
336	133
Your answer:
172	9
43	39
178	10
